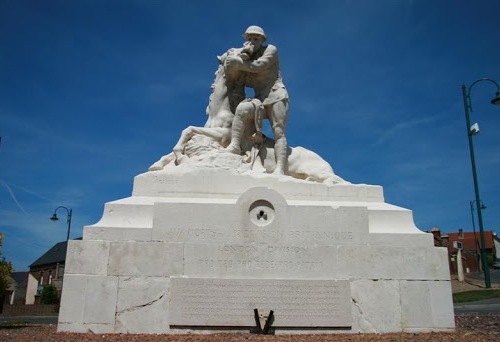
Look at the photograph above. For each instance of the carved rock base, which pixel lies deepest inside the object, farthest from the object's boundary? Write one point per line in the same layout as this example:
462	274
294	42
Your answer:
200	250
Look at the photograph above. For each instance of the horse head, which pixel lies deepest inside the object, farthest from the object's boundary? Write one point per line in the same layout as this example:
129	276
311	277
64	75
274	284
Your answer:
227	91
234	78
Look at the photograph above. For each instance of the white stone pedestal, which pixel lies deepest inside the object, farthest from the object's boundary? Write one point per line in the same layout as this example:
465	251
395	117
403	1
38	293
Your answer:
200	250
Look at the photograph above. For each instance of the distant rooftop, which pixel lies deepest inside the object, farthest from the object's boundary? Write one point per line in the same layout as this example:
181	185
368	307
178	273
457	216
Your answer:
57	254
19	277
54	255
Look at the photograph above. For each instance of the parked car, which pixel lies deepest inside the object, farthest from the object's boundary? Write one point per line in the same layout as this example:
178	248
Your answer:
496	264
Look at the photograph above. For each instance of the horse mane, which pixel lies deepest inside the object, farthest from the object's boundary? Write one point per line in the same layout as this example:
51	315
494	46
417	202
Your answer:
233	79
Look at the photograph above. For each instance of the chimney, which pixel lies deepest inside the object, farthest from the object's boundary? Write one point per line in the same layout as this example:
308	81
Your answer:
436	232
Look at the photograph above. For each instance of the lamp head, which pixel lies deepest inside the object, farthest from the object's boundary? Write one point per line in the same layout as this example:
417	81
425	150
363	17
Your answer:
54	217
496	100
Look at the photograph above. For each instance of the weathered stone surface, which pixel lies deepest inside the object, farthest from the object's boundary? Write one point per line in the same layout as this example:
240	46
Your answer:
220	183
376	304
87	257
259	236
142	305
309	225
231	302
89	299
387	262
425	304
130	258
266	260
117	234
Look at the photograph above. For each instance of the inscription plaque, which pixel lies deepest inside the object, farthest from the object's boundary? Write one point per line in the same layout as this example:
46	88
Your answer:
231	302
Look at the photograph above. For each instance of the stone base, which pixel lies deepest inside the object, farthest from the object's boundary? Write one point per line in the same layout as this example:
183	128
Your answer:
199	251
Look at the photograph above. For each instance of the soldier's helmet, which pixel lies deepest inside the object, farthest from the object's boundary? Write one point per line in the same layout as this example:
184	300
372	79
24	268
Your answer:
254	30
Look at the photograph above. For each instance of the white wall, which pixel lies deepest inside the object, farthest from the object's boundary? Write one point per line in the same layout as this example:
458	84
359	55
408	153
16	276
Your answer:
31	289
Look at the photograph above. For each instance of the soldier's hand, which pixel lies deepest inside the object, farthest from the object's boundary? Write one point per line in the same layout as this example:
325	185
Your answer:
234	61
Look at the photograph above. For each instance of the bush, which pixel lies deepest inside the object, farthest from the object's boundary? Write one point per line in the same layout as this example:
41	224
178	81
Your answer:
49	295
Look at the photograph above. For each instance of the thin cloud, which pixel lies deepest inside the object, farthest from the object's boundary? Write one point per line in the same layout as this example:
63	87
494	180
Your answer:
28	191
402	126
13	197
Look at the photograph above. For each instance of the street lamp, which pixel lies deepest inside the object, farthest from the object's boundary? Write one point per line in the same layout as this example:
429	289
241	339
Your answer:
55	218
470	132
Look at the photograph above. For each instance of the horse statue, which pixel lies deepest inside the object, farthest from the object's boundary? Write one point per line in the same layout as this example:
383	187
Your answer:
227	98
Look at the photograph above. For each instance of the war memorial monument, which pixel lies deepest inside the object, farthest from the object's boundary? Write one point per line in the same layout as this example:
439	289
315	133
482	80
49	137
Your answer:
238	232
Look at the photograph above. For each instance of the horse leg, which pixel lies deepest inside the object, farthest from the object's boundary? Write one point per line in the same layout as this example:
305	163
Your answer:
160	164
178	149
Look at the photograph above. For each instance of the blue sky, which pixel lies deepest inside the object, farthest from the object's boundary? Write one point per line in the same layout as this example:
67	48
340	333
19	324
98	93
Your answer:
92	92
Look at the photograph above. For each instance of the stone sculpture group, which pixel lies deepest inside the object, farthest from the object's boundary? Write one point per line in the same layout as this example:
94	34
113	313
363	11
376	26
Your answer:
234	122
234	231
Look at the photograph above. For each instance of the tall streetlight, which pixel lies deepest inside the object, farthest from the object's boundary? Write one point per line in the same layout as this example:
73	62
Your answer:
55	218
472	130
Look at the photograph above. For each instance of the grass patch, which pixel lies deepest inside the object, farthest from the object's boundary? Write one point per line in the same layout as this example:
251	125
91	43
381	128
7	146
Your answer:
2	324
471	296
14	325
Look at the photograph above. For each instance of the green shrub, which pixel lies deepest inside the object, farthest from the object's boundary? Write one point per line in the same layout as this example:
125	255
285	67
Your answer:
49	295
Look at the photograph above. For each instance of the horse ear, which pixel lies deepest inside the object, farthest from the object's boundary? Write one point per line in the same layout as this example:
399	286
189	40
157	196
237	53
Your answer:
222	58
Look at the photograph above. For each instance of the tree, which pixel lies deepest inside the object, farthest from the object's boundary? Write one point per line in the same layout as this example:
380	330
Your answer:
5	272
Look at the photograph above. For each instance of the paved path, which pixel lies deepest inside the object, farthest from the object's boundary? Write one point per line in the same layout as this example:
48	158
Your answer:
480	306
494	276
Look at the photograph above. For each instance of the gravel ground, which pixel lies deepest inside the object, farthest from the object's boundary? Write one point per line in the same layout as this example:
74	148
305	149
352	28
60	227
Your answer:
470	327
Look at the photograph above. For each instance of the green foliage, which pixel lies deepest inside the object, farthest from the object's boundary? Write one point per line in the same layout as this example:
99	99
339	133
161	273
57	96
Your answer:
14	324
5	271
471	296
49	295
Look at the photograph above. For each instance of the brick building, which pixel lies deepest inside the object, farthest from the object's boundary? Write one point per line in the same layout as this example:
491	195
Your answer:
471	248
48	269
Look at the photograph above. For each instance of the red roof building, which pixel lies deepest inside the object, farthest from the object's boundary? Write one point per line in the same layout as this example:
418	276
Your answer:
471	248
468	240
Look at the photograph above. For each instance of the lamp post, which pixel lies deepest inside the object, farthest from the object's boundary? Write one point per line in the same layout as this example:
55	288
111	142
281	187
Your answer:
470	132
55	218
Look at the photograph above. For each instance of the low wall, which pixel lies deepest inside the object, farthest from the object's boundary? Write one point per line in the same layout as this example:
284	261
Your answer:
30	310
